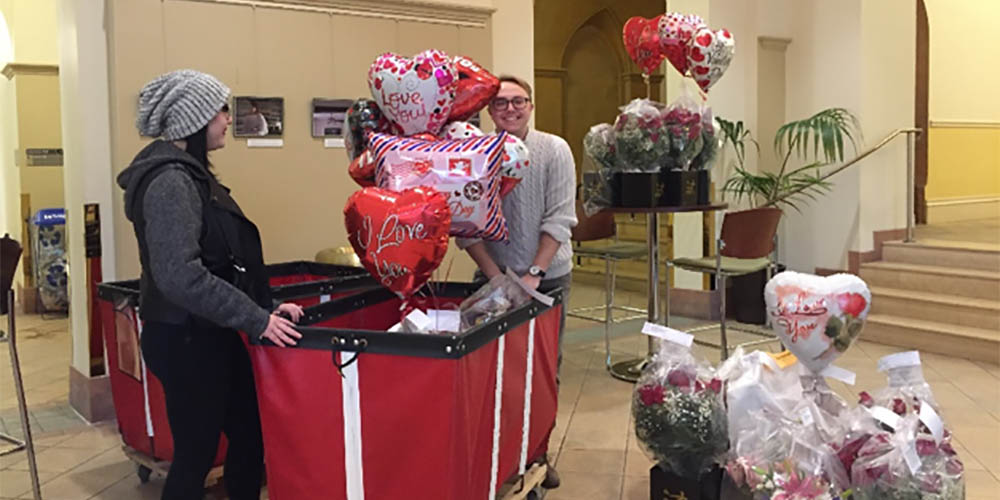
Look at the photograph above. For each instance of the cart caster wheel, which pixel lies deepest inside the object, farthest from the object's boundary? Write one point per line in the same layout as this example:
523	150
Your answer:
533	495
143	472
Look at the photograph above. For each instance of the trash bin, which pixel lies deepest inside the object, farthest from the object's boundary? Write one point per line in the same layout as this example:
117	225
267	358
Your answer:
48	250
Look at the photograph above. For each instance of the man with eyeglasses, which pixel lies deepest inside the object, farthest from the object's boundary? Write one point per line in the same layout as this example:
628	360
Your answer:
540	211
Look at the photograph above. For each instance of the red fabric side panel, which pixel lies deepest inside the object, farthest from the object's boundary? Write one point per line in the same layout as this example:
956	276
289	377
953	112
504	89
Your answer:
126	392
515	369
544	391
406	424
472	435
377	317
299	393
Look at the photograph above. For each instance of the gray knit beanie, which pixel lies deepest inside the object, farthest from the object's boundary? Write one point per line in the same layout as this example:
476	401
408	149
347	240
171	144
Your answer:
177	104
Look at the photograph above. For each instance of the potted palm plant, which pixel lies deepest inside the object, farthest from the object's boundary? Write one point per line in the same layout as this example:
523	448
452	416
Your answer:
817	142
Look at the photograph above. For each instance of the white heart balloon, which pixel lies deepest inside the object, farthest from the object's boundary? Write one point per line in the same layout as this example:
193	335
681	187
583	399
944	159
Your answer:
415	94
817	318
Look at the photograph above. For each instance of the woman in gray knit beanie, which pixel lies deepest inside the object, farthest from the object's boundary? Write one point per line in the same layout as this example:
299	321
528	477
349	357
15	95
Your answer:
203	280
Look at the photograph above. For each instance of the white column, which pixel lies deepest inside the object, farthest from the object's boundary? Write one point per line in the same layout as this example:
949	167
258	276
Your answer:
83	88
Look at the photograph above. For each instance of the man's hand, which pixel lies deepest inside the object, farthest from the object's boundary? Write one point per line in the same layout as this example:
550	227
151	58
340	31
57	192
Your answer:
531	282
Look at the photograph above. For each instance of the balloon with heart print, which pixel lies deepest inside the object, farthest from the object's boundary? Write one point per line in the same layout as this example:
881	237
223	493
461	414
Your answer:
475	88
400	237
642	42
817	318
415	94
675	31
461	130
709	55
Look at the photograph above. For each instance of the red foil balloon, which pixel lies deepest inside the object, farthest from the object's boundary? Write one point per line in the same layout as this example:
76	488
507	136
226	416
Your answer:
401	237
675	32
642	42
476	87
362	169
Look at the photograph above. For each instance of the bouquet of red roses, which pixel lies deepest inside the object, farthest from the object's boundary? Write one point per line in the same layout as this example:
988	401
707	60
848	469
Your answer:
680	418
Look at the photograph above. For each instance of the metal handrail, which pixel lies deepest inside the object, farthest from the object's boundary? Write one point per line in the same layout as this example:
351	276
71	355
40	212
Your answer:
911	146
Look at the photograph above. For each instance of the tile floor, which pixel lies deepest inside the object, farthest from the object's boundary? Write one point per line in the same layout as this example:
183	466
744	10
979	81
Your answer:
592	445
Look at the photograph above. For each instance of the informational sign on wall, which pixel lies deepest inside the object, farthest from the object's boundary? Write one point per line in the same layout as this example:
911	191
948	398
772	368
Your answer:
39	157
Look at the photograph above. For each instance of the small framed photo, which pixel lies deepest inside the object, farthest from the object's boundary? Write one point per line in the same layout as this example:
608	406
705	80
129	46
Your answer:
328	117
258	116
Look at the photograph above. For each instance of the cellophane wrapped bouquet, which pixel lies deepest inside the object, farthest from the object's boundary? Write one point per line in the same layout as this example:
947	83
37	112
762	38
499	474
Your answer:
777	430
648	136
902	449
680	418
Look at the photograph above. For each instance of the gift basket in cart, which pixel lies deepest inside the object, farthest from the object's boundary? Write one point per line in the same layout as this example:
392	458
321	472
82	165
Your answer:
358	411
138	397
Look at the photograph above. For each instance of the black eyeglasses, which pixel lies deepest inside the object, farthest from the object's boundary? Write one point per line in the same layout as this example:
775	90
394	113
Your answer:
225	108
501	103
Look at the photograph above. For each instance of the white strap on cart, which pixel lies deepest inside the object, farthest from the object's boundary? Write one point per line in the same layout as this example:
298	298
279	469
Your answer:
497	406
526	425
353	466
145	376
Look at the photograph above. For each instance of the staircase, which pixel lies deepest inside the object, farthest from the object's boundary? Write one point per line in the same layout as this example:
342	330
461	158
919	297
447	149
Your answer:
941	297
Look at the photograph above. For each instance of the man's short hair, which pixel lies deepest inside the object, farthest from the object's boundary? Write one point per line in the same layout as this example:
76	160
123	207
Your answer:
517	81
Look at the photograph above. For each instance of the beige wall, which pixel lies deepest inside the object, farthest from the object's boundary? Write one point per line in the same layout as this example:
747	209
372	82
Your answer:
38	126
963	159
296	193
963	56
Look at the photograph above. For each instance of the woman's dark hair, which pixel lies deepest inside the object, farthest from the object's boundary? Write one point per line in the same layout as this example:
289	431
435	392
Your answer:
197	146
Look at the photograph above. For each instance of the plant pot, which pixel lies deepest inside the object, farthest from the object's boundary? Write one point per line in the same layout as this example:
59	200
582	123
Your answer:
746	297
683	188
665	485
636	189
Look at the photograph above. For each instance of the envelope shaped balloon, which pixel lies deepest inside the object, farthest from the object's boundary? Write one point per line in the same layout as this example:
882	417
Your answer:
466	171
817	318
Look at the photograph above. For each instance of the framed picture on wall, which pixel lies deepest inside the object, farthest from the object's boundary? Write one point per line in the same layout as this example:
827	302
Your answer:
258	116
328	116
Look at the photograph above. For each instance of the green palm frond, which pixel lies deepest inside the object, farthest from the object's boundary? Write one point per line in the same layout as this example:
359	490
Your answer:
824	132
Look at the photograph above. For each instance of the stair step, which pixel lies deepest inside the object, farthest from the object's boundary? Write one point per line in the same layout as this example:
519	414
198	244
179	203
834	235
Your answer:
934	279
930	336
965	311
944	253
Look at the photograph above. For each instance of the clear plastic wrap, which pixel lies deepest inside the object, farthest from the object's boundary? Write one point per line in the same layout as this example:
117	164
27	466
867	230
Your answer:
754	382
681	123
710	142
906	465
781	456
680	418
640	143
498	296
598	167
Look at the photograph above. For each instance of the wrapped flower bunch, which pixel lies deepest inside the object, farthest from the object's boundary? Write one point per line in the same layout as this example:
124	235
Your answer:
680	418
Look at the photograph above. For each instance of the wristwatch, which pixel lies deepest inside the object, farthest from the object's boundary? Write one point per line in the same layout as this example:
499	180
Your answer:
536	271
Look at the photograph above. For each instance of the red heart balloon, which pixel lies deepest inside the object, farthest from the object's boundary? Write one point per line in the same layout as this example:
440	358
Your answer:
401	237
507	184
642	42
476	87
675	32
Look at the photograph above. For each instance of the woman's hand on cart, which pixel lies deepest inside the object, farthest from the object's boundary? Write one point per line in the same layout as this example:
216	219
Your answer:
293	311
281	331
